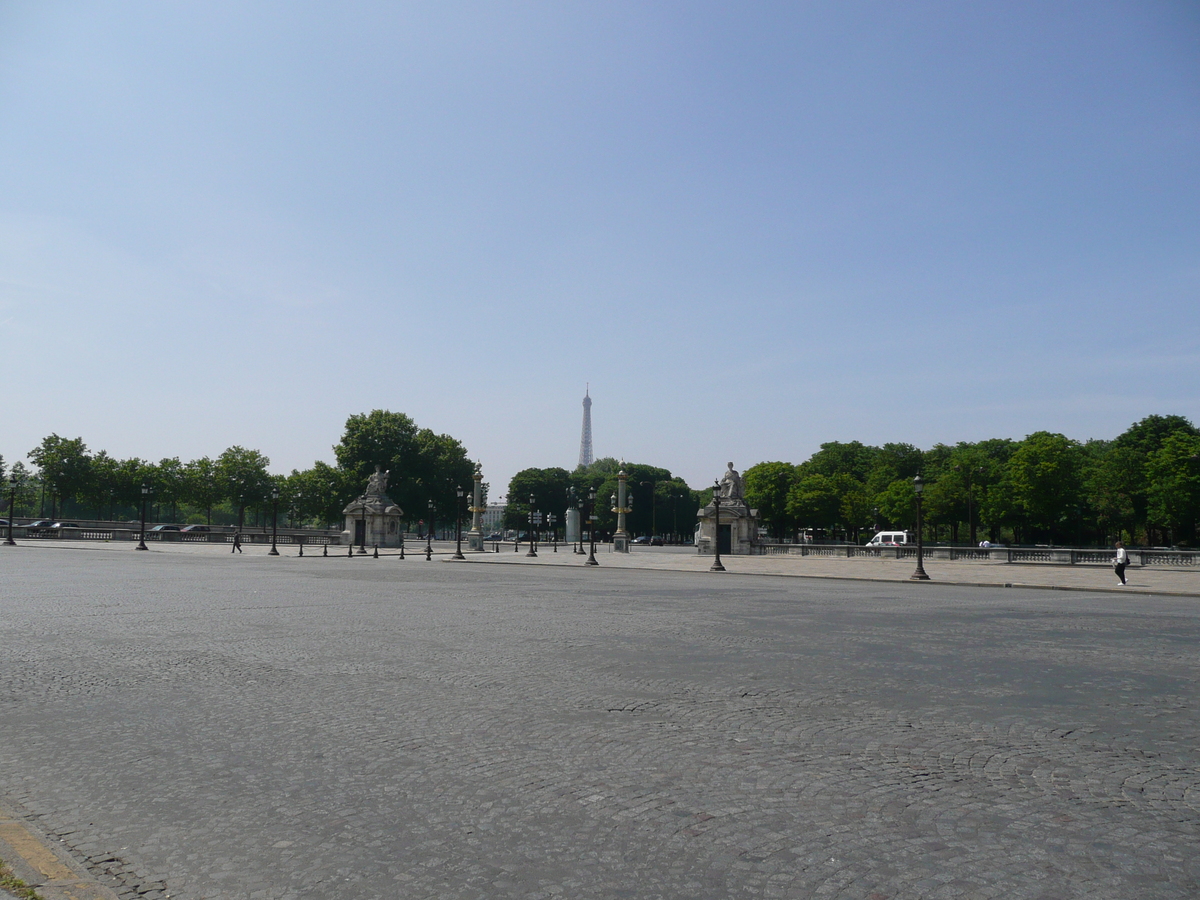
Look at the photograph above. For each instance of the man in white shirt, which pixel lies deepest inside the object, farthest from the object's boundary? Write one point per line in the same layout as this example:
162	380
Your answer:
1121	561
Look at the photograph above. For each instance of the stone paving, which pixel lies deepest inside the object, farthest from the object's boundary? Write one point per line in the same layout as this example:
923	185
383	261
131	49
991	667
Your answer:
197	725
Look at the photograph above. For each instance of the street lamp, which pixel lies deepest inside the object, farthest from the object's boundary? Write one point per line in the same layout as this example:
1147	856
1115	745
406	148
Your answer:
919	575
458	524
716	566
274	551
591	560
147	490
532	526
12	509
429	532
295	518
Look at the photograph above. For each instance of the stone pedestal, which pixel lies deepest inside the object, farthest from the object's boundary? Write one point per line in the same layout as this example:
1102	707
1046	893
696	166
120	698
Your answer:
739	529
573	535
373	520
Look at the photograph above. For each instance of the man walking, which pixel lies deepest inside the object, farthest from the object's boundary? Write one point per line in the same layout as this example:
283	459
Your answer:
1121	561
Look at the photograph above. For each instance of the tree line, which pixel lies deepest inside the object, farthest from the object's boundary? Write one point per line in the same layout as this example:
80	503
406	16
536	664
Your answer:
661	503
1142	487
67	480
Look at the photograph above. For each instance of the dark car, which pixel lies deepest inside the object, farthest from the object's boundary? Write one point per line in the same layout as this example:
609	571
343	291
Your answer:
641	539
65	525
38	523
162	528
656	542
194	529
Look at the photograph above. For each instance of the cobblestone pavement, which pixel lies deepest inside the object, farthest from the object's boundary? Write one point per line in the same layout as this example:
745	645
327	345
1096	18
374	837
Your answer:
201	725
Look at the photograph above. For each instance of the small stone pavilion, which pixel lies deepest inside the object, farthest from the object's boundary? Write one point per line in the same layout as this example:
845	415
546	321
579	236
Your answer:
737	531
373	520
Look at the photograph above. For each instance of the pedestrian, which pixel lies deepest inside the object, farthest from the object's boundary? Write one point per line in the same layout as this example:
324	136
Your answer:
237	542
1121	561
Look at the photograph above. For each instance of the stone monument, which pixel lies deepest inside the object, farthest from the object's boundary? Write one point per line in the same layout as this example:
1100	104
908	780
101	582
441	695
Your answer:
373	520
738	528
476	509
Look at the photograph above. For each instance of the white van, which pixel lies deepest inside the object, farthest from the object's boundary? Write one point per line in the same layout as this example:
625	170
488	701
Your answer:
891	539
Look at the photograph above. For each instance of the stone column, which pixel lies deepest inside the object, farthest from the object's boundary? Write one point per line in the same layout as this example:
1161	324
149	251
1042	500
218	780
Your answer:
621	537
475	535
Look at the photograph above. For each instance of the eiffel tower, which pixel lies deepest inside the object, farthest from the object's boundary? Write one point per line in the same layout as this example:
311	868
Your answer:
585	442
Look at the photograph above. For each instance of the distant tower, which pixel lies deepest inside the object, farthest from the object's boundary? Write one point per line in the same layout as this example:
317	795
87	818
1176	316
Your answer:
585	442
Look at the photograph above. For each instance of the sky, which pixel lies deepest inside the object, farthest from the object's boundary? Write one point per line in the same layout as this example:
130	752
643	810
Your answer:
746	228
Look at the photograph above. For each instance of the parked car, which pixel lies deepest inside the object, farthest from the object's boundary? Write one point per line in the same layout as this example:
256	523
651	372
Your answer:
162	528
195	529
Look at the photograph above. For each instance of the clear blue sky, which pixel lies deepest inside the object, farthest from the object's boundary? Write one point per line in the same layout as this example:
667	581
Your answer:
752	227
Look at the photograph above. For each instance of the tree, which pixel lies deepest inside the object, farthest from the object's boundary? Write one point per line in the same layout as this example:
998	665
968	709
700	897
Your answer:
102	483
170	484
1045	479
1174	492
244	479
64	466
424	465
898	503
767	487
814	501
320	493
201	486
27	486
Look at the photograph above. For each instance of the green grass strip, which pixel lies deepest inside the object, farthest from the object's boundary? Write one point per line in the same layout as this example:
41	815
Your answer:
15	885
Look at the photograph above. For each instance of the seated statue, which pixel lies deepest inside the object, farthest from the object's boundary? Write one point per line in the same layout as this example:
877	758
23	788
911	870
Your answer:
731	485
377	485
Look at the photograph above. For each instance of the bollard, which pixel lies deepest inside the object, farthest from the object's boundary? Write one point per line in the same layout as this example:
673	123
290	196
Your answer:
402	549
350	551
376	553
324	549
428	553
301	549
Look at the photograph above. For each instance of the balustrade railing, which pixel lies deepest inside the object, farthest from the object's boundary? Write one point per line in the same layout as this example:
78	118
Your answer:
1060	556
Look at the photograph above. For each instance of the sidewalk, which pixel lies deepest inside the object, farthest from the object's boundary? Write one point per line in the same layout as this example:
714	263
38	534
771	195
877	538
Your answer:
1182	582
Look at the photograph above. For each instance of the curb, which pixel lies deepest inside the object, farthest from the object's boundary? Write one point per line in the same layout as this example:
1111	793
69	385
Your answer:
43	866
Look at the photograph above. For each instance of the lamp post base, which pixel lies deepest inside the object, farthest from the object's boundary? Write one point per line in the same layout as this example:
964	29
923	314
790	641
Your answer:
919	575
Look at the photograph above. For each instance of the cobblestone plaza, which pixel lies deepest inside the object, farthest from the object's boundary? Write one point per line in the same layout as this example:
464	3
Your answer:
198	724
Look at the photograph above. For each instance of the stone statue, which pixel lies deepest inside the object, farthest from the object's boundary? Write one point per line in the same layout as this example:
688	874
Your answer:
377	485
731	485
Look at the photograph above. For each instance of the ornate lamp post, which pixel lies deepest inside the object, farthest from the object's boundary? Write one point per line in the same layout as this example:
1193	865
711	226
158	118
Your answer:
429	532
591	560
147	490
274	551
716	566
458	492
919	575
551	518
532	526
294	517
12	509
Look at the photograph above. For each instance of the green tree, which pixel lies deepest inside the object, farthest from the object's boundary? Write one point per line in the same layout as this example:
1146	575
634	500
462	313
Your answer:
767	487
64	465
202	485
1174	493
898	504
1046	483
27	486
170	484
322	492
102	484
244	479
814	501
